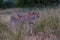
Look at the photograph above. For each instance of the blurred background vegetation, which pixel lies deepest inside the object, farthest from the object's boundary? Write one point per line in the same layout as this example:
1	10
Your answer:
28	3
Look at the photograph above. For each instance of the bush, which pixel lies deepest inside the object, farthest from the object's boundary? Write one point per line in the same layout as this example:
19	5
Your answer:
29	3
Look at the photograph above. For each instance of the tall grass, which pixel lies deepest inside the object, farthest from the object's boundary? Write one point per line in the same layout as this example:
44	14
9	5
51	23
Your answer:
6	34
48	25
20	32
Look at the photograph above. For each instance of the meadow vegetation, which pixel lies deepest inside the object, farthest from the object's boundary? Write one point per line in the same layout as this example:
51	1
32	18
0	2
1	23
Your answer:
48	23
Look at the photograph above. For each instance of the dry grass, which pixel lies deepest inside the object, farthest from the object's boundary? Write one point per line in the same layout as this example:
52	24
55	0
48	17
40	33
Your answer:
48	24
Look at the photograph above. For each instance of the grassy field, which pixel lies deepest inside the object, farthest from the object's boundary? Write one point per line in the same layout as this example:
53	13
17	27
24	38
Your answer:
47	27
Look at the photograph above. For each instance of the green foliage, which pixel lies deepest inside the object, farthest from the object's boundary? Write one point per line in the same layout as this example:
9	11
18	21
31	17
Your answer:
1	0
30	3
20	3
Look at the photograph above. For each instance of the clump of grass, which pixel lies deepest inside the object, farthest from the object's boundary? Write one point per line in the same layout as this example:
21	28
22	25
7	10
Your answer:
5	33
48	25
39	26
20	32
2	26
52	22
10	35
52	25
